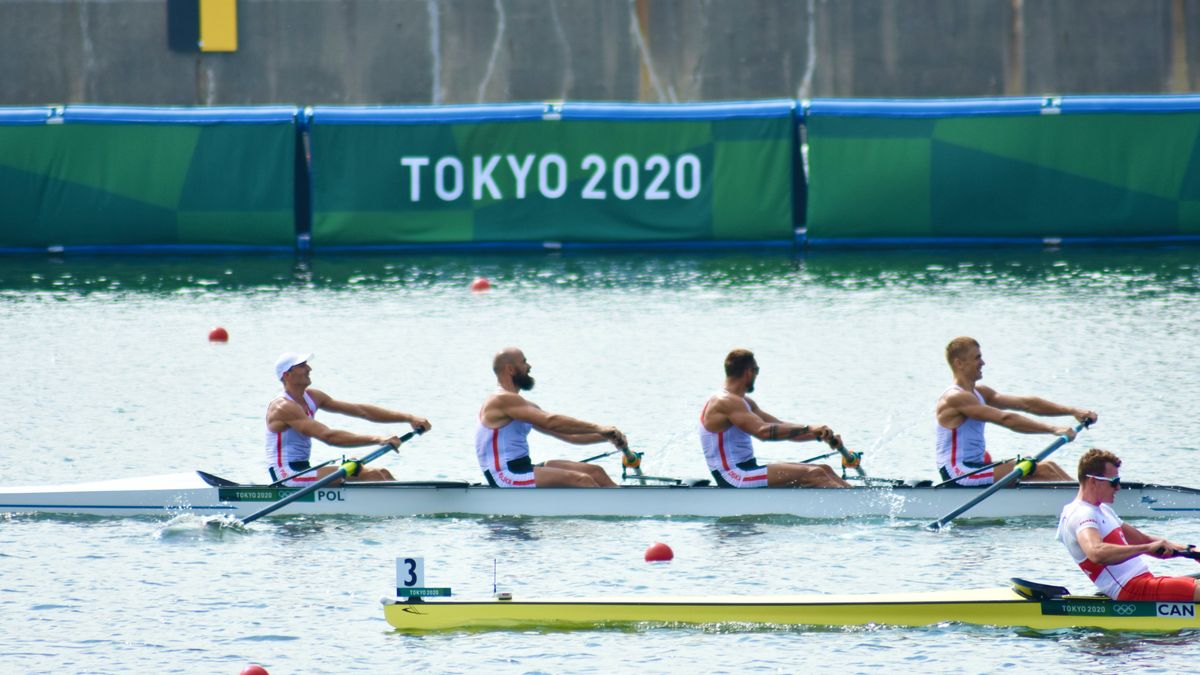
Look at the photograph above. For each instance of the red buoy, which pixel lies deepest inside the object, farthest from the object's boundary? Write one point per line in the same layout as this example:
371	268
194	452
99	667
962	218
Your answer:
659	552
218	334
480	284
254	669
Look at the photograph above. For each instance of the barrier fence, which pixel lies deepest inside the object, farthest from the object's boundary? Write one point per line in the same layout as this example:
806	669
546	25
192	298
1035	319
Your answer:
579	175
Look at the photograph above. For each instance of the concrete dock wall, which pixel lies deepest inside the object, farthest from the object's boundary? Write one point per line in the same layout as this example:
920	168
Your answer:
476	51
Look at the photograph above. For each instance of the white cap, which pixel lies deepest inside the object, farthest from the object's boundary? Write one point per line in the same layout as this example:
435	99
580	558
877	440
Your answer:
288	360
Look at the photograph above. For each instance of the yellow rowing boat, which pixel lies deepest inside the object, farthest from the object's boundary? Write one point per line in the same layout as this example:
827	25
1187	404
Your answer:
1025	604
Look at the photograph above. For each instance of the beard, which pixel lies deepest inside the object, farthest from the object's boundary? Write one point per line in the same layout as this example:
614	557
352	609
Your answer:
750	389
523	381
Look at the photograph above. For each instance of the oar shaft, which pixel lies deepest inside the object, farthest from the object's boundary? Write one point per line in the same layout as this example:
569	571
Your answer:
1023	468
340	473
971	473
851	460
309	470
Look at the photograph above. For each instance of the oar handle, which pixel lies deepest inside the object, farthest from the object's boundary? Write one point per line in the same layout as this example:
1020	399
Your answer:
1022	469
1189	552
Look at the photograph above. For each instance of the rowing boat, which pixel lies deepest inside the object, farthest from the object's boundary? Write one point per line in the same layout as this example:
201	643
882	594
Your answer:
1022	605
204	493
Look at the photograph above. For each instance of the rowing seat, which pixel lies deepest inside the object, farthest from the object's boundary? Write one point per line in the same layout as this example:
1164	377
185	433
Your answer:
1036	591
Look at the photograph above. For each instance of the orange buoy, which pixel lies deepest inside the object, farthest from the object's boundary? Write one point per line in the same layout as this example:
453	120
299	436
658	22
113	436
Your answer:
218	334
480	284
659	552
254	669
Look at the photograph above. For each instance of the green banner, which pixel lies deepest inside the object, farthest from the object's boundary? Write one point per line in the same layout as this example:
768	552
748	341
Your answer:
147	183
630	180
1095	174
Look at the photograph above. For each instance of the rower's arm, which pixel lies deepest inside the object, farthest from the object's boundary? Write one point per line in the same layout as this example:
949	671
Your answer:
1158	547
1103	553
576	439
554	424
1040	406
336	437
968	406
373	413
764	430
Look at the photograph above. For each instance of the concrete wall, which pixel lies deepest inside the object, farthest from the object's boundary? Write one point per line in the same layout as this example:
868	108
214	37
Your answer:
467	51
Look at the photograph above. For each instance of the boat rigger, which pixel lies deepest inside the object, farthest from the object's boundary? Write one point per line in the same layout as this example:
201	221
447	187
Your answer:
1024	604
203	493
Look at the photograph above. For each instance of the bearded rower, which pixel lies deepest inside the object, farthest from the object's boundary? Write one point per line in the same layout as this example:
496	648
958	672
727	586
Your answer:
505	420
730	419
964	408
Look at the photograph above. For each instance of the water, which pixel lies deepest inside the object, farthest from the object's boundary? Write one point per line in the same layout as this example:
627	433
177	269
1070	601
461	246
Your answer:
108	373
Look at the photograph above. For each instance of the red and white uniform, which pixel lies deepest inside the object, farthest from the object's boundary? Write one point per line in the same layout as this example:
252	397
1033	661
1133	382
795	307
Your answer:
288	447
1079	515
496	449
962	450
730	455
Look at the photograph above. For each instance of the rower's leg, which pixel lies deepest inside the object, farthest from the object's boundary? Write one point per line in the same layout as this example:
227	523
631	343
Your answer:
595	471
366	474
1050	471
787	474
552	476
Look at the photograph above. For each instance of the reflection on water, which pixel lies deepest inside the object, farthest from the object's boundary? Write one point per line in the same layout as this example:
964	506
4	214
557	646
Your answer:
1151	271
508	528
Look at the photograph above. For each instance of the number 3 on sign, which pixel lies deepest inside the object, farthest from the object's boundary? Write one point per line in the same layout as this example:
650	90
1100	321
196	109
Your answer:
410	572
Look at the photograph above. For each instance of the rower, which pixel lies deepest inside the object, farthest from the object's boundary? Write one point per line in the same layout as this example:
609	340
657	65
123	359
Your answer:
291	426
1109	550
501	437
730	418
963	409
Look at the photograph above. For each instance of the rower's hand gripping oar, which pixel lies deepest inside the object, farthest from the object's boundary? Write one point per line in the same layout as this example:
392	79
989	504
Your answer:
348	468
1023	468
630	460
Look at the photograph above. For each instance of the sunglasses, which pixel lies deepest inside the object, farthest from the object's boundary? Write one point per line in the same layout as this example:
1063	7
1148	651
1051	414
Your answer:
1115	481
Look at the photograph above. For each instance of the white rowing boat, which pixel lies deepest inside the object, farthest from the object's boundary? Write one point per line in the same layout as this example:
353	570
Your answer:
206	494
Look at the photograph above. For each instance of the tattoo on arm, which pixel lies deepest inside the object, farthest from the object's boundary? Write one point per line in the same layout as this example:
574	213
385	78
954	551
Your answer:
799	431
772	432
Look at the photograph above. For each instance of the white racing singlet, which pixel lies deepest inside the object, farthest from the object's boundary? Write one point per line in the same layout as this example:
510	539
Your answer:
496	448
288	446
1079	515
730	455
963	449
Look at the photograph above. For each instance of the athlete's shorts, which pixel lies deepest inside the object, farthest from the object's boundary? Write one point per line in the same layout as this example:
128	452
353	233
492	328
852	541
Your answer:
291	468
982	478
518	474
748	474
1161	589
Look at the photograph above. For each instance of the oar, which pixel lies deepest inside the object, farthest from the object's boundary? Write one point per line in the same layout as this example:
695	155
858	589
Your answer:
972	473
1189	552
818	458
629	460
348	468
310	469
1022	469
851	460
632	460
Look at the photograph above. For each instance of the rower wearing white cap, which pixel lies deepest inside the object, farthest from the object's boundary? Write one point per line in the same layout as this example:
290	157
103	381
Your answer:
291	425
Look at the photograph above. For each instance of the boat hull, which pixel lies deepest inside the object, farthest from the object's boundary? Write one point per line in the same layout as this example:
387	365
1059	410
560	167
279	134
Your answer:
189	492
988	607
